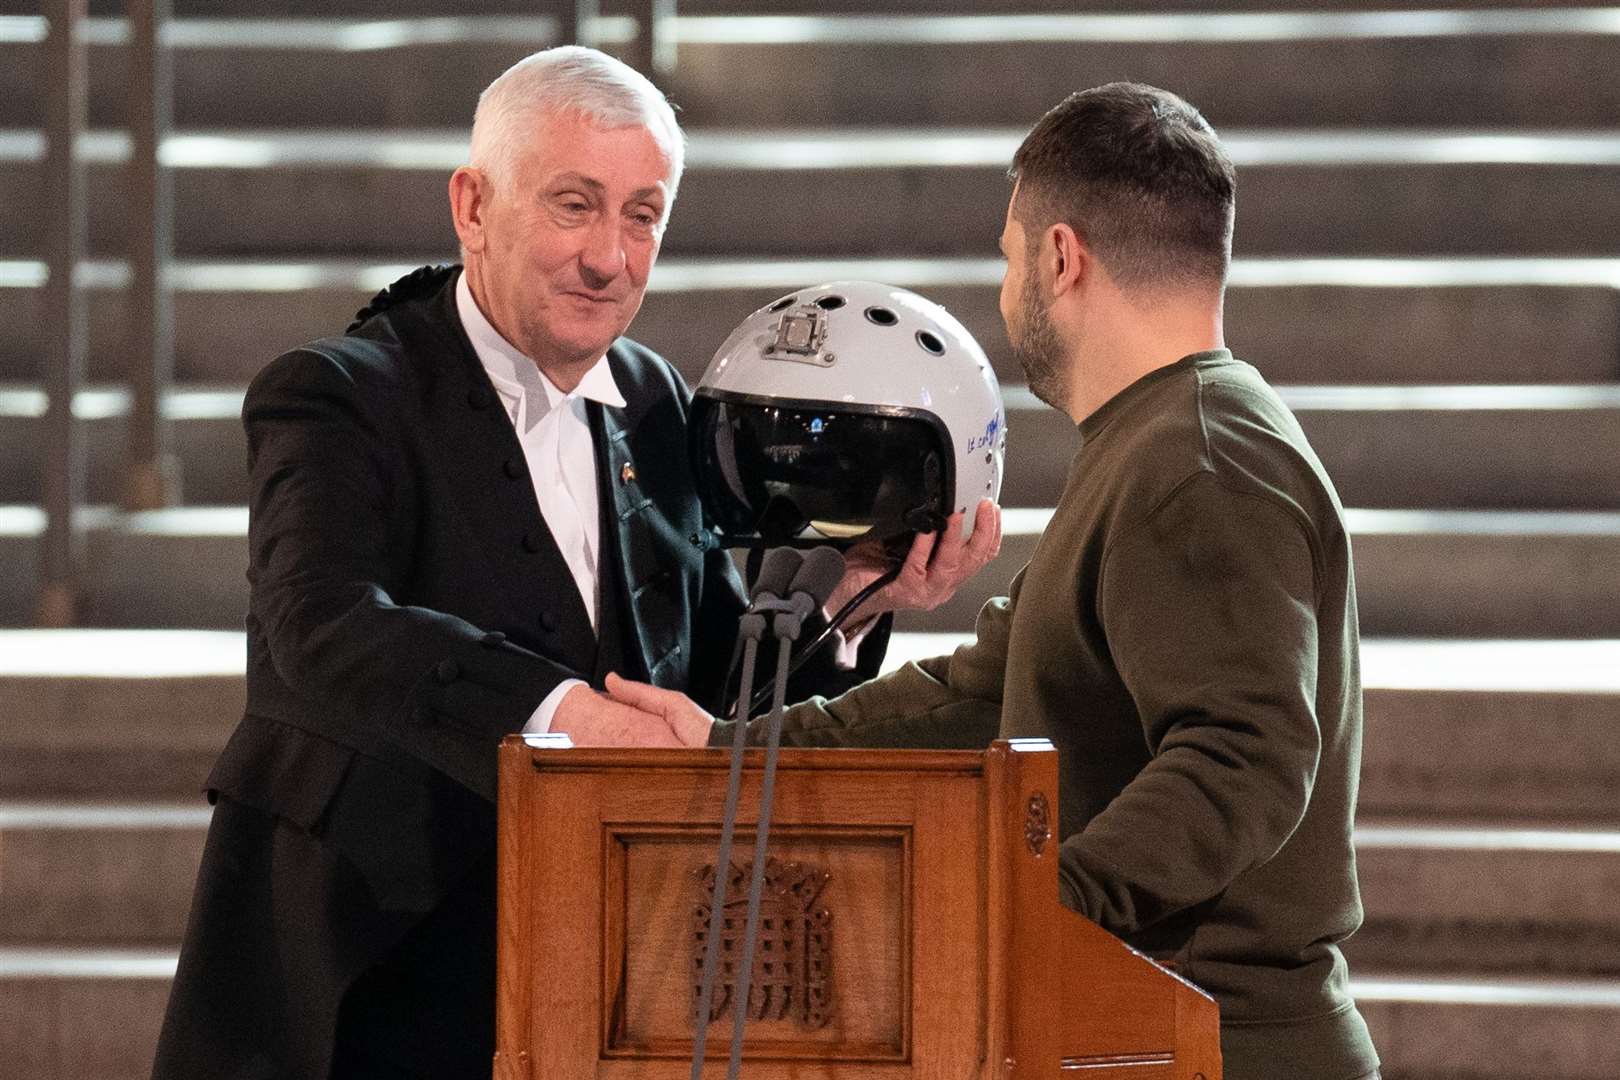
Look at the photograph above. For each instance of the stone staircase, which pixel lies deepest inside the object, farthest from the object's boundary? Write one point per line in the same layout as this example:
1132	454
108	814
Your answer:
1428	266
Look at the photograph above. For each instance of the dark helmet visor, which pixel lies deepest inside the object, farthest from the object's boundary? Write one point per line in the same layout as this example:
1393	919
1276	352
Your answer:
784	471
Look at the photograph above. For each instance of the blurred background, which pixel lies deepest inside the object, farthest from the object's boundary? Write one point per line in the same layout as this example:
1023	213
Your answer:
1426	264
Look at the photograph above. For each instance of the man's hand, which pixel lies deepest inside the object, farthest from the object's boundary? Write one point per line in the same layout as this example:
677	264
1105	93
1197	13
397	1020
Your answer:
935	567
683	716
594	719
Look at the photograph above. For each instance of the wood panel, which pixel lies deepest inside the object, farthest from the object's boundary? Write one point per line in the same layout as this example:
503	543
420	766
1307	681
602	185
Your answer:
1198	1034
1120	1003
949	961
653	945
1022	782
949	956
514	1003
565	931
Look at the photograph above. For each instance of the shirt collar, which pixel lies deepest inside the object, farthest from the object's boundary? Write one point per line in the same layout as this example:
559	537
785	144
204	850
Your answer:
598	384
514	373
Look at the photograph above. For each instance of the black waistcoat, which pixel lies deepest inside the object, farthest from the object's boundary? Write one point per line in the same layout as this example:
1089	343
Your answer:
615	650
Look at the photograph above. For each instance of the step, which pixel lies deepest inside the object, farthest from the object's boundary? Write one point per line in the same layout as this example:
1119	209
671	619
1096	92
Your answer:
125	714
1456	573
142	714
1401	447
1242	68
276	71
1371	320
1459	573
112	10
1479	447
94	871
205	432
864	191
1438	897
73	1012
1439	447
1498	898
1447	723
1462	1028
1425	1028
184	567
1445	573
1399	68
1487	573
1342	192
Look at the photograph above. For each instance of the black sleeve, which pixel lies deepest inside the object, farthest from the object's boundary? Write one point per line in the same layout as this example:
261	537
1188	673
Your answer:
331	511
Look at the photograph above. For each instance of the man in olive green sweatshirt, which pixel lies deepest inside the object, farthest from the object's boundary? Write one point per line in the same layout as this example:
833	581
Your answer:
1185	633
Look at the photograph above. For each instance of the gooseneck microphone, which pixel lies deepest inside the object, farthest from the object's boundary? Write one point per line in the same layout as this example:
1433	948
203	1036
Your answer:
777	576
818	575
826	580
768	600
789	588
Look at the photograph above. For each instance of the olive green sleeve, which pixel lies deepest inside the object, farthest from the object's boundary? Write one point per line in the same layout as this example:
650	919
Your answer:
944	703
1210	609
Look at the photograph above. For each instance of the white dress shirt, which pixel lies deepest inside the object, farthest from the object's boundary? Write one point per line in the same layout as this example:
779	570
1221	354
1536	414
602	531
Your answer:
551	427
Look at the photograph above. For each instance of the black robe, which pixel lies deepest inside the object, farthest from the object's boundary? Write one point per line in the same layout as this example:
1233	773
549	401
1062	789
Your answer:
408	609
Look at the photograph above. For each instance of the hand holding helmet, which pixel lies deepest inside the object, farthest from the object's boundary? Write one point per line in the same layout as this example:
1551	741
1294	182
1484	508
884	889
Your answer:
934	568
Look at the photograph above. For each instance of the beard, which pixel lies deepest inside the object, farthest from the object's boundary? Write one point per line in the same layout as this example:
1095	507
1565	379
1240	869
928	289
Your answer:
1038	350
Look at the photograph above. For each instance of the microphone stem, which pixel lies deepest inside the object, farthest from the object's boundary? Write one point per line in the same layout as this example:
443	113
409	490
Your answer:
756	885
722	868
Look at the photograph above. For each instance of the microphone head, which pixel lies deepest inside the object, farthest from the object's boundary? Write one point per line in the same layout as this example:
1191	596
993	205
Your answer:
776	573
821	571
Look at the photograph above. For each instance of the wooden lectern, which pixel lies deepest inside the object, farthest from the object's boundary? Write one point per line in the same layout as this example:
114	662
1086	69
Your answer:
911	924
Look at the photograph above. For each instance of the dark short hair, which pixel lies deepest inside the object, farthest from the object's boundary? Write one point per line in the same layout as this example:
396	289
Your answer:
1140	175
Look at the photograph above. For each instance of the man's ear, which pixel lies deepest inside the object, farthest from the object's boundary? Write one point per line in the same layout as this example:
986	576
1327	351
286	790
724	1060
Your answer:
469	198
1068	256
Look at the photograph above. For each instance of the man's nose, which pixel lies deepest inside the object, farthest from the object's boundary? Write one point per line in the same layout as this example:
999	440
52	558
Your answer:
602	258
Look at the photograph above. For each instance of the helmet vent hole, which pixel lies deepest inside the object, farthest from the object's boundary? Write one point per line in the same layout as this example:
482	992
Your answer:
831	303
782	303
882	316
930	342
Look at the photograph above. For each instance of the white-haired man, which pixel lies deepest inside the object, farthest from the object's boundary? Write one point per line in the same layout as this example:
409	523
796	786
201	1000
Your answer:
466	512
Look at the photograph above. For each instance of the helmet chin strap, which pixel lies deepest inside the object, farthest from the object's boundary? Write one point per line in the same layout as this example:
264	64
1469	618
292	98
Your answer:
920	519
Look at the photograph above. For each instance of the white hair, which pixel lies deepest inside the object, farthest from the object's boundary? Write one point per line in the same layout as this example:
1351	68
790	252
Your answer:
569	78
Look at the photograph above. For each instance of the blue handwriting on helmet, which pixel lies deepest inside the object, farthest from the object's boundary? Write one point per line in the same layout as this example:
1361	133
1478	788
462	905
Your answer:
988	438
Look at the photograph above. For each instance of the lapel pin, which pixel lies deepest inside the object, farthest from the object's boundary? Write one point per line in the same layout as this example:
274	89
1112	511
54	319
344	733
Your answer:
627	473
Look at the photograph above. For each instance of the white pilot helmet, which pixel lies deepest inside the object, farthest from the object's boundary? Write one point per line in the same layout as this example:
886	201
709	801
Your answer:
846	410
